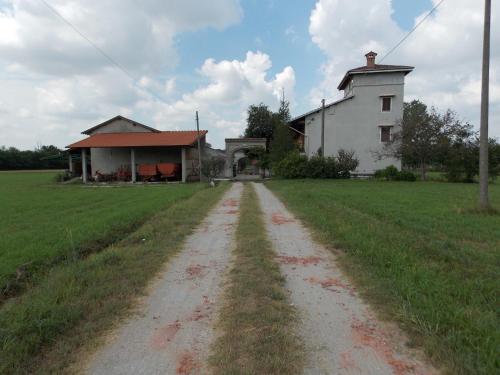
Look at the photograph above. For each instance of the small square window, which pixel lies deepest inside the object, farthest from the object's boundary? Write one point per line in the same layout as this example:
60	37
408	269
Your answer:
386	103
385	133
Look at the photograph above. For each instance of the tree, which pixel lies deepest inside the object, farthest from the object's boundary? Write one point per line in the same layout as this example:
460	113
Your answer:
259	122
282	142
213	166
422	138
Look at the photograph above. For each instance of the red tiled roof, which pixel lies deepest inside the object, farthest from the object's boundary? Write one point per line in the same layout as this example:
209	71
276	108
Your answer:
140	139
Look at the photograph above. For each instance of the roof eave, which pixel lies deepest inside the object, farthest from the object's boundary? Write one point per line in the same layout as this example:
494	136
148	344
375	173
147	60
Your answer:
348	75
319	108
119	117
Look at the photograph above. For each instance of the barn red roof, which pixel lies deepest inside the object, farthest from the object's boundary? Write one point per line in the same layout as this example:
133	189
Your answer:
140	139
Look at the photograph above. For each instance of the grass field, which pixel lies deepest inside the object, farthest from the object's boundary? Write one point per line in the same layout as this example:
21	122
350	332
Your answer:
421	254
43	223
57	321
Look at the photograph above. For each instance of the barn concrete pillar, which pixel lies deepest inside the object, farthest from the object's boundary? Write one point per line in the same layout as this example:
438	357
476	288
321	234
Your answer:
183	164
84	165
70	161
132	165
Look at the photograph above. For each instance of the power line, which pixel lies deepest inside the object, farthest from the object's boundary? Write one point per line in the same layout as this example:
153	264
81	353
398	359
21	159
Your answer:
412	30
100	50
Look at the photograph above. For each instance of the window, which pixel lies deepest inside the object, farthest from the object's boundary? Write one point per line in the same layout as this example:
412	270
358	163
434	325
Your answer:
385	133
386	103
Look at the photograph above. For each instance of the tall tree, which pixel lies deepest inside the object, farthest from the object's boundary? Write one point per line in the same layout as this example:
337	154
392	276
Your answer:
423	137
284	109
282	142
259	122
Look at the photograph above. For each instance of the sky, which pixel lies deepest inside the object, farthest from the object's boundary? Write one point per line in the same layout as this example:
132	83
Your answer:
220	56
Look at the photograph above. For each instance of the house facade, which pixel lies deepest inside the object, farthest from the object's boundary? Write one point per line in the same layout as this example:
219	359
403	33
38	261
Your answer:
121	145
362	121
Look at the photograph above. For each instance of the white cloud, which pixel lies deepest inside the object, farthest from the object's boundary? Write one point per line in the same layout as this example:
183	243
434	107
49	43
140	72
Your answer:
54	84
232	87
445	50
139	35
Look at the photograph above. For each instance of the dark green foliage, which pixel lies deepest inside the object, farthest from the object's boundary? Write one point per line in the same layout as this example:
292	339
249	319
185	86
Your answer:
295	165
461	161
260	122
282	142
391	173
315	167
44	157
407	176
346	163
423	138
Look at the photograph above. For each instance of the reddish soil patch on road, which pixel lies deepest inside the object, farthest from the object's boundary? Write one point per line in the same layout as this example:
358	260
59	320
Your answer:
232	212
230	202
367	335
187	363
202	311
165	335
195	271
346	362
302	261
329	283
279	219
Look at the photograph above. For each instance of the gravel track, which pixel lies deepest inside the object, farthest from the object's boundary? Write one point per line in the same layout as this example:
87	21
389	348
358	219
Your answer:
340	332
173	329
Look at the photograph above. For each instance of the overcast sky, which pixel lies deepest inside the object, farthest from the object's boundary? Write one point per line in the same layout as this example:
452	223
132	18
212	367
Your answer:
220	56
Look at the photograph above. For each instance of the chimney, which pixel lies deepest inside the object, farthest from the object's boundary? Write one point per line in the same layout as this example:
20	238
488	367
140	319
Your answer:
370	59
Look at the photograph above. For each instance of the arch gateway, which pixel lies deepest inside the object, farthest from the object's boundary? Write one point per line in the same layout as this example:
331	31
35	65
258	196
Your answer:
237	164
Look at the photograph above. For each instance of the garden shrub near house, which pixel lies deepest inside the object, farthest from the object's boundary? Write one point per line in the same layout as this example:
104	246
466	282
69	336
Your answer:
295	165
391	173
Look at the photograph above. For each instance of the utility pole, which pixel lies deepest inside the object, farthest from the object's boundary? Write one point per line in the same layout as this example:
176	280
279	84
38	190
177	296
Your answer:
484	202
323	127
199	143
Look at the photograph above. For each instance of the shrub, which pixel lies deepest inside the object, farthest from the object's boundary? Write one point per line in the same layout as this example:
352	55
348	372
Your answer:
391	173
316	167
406	176
346	163
331	167
63	176
293	165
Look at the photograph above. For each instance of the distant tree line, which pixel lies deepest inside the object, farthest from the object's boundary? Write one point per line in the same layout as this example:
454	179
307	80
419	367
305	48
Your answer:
426	139
43	157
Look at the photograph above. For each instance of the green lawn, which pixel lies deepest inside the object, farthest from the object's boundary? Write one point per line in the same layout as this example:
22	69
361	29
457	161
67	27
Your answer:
57	322
421	254
42	223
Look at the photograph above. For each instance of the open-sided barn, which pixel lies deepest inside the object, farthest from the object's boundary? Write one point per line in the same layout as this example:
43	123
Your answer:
124	149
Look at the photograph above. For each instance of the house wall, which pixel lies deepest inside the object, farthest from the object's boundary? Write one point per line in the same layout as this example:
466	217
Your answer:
354	124
119	126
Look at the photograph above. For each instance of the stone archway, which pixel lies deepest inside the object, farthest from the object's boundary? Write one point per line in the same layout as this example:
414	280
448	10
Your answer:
235	148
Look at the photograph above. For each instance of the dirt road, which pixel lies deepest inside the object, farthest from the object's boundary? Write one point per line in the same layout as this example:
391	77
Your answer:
174	327
341	334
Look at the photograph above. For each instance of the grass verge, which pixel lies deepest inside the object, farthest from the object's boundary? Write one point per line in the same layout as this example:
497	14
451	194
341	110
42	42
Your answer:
257	321
43	224
419	255
46	329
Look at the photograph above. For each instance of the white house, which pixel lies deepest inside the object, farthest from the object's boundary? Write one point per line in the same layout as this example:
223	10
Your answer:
362	120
